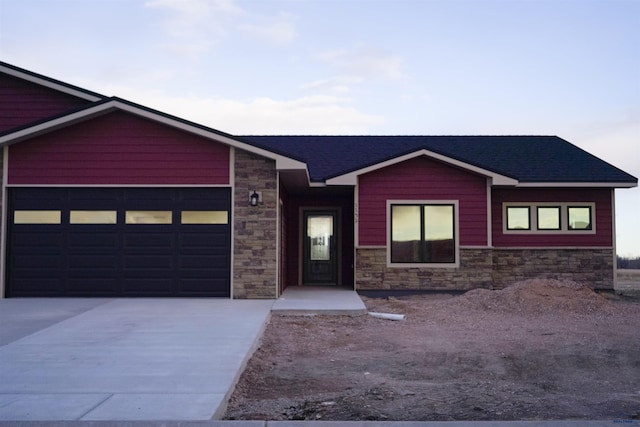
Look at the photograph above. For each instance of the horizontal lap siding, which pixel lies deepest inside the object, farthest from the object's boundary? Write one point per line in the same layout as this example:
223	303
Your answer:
421	179
603	214
119	149
23	102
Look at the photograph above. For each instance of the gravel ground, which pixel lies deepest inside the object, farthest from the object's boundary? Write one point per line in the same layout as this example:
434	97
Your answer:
539	349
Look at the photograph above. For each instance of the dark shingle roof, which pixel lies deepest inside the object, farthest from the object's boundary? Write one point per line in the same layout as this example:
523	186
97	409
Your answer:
535	159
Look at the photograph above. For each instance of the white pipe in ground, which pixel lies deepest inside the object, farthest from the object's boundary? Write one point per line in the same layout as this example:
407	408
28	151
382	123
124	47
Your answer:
387	316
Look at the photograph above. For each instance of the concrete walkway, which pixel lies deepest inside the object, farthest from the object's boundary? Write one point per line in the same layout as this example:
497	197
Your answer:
311	300
124	359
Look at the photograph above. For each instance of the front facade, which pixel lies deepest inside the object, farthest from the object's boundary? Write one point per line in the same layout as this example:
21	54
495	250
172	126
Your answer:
102	197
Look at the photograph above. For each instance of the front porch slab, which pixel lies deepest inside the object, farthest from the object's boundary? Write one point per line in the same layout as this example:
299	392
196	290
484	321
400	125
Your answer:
319	300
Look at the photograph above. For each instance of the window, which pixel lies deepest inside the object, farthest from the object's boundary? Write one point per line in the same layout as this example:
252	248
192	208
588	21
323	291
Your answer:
423	233
518	218
204	217
36	217
579	217
548	218
92	217
148	217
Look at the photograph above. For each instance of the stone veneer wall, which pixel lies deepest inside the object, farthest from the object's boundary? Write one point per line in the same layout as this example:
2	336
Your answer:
487	268
591	267
255	231
372	273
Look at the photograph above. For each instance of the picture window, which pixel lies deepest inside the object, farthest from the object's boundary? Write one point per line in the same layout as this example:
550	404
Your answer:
423	233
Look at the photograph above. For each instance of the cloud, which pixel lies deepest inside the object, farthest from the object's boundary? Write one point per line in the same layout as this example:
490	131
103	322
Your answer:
338	84
306	115
310	115
194	26
279	29
365	61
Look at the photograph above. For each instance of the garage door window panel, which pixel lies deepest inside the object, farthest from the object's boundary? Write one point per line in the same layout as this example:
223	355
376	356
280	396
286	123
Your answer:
93	217
204	217
37	217
148	217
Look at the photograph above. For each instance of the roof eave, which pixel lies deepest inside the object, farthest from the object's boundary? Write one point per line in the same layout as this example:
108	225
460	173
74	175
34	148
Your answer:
578	184
351	178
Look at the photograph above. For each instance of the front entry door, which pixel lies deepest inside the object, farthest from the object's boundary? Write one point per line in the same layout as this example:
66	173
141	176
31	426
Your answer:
320	263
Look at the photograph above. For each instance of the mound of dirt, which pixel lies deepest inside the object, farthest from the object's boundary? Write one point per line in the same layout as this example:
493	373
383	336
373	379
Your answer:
537	296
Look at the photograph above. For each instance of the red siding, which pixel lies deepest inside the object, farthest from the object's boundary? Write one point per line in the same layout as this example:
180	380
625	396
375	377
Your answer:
23	102
118	148
603	214
421	179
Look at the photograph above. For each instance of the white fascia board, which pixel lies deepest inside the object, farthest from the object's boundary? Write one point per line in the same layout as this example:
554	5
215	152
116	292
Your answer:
578	184
282	162
351	178
50	84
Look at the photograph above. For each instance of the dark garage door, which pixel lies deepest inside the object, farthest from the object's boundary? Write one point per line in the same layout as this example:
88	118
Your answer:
103	242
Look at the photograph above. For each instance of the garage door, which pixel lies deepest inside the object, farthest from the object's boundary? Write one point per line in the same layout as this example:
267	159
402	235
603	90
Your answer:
103	242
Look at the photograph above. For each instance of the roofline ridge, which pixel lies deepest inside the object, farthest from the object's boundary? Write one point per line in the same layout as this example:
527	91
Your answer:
37	78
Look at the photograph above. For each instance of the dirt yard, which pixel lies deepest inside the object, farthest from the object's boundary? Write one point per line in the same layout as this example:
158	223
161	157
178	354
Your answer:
536	350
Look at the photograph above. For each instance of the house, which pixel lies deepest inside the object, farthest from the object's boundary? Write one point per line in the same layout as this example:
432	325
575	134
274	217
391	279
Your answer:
103	197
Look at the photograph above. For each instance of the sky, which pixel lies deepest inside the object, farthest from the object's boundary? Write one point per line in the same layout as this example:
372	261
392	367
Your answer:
569	68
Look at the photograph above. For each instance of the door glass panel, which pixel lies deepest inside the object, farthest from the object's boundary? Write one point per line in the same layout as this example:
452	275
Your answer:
320	231
204	217
36	217
148	217
92	217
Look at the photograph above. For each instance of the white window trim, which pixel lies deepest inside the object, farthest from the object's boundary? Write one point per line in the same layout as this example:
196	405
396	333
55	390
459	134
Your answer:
456	227
564	226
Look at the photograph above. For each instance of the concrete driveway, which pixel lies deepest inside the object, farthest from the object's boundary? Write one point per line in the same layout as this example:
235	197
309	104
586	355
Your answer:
123	359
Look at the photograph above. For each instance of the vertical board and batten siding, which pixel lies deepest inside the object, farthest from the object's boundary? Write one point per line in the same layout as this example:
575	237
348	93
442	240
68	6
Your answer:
603	217
23	102
118	149
421	178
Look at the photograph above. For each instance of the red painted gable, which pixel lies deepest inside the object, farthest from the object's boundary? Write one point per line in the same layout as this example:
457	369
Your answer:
22	102
118	149
421	178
